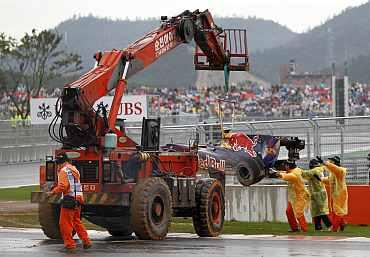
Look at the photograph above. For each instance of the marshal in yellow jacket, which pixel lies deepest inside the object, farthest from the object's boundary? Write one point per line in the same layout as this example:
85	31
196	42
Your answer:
316	187
298	195
338	188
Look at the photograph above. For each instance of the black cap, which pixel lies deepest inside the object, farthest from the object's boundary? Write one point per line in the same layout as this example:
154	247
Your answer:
61	158
335	160
291	164
313	163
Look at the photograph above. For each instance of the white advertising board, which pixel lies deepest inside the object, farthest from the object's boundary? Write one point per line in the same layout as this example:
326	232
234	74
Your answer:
132	108
42	110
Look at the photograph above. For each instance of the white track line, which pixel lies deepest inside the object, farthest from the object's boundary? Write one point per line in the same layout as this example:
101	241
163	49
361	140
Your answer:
95	233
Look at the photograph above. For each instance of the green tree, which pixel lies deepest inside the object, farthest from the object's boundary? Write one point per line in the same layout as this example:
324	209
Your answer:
31	63
6	44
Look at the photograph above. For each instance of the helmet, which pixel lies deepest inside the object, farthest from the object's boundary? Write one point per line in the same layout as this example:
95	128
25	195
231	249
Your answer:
313	163
61	158
291	164
335	160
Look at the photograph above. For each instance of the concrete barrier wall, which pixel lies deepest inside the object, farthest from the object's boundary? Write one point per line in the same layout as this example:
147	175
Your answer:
261	203
257	203
25	153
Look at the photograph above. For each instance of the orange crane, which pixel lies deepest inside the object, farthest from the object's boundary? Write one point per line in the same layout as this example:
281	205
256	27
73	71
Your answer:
130	187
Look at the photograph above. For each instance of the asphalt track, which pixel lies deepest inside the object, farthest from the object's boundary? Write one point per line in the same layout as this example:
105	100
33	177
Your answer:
31	242
15	175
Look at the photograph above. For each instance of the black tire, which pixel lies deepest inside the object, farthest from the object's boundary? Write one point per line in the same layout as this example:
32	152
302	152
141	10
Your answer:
209	213
251	172
151	209
186	30
49	220
120	233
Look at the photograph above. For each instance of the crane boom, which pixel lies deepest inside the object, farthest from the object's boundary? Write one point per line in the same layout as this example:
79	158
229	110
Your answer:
82	125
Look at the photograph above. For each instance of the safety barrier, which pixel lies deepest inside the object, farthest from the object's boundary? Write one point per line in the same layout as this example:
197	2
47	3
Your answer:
348	137
261	203
25	153
358	207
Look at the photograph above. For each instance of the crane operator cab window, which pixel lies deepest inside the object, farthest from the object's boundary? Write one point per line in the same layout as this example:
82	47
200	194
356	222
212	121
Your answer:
120	124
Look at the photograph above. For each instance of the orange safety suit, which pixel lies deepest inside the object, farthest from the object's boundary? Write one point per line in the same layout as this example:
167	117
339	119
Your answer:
70	219
339	194
298	199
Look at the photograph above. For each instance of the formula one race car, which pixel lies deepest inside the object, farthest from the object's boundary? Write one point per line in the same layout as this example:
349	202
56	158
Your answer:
249	157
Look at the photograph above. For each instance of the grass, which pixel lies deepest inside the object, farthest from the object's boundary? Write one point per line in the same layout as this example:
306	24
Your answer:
185	225
179	225
17	193
30	220
19	220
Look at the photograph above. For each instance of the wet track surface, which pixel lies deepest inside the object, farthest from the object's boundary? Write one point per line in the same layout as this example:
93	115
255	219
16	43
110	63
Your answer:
33	243
19	174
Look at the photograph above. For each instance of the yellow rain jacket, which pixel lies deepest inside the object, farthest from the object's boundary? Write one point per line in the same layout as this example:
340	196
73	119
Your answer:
13	122
298	195
338	188
319	197
18	119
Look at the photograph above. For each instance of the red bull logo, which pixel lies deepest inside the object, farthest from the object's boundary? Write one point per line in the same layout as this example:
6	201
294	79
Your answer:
242	142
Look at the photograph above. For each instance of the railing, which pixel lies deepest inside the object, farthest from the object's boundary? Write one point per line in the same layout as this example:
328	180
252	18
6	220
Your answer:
347	137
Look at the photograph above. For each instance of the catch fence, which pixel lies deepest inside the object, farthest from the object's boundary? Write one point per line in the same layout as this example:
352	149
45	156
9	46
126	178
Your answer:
347	137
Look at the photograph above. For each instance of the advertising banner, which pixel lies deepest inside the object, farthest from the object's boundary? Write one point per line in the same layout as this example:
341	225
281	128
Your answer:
132	108
42	110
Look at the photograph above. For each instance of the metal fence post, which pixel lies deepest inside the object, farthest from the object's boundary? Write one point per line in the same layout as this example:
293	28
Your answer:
316	137
253	129
342	142
213	134
308	145
271	129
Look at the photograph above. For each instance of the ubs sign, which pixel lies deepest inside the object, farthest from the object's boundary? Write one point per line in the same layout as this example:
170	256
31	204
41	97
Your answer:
132	108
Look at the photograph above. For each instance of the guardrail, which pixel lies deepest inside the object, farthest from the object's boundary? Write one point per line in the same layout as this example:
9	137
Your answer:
25	153
348	137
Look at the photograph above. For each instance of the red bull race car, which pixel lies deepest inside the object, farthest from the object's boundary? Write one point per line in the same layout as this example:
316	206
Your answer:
249	157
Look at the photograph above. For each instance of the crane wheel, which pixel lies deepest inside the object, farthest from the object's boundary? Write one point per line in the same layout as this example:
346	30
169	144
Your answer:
186	30
151	209
209	213
49	220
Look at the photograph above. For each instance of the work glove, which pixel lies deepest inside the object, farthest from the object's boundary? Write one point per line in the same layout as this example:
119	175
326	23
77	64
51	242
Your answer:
318	158
273	173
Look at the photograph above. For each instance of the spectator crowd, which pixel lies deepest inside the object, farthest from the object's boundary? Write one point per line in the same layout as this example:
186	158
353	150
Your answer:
248	100
279	101
8	109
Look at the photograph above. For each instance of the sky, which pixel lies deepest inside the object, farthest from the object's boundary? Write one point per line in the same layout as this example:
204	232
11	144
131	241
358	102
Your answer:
20	16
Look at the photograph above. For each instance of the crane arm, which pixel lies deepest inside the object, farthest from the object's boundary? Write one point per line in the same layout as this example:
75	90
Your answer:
81	123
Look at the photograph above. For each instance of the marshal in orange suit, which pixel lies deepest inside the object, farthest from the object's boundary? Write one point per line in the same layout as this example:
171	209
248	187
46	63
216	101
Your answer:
70	218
